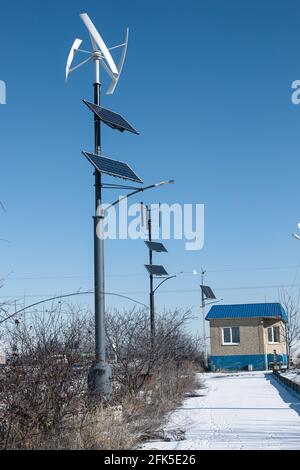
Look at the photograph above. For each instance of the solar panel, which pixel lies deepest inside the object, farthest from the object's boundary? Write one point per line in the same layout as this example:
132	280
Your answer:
155	246
112	167
156	270
114	120
208	292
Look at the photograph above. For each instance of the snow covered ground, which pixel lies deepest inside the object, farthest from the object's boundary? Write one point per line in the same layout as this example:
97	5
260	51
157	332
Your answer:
239	411
293	374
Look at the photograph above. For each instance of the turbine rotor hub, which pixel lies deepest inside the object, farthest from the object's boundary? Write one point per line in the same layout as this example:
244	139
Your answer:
97	55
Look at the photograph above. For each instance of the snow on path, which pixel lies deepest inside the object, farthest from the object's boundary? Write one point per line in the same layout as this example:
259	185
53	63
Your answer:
237	411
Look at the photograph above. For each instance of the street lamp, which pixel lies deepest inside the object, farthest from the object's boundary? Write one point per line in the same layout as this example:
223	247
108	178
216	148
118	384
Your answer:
99	378
155	271
206	294
162	282
139	190
161	183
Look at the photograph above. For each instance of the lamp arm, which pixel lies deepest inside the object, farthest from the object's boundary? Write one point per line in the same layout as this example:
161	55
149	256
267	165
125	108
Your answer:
126	196
166	279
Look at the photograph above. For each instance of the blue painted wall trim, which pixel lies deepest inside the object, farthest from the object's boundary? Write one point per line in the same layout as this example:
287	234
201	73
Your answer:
238	362
241	362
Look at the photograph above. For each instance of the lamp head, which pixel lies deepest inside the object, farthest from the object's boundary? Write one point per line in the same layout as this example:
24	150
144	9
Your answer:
161	183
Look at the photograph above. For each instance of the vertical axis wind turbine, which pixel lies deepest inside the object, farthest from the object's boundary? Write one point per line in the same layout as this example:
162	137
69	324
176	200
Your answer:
101	54
99	378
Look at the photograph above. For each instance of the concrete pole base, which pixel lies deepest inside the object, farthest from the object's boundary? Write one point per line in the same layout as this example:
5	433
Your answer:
100	381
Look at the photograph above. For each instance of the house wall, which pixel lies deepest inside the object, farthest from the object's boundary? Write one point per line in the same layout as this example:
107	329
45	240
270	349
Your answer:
253	349
251	336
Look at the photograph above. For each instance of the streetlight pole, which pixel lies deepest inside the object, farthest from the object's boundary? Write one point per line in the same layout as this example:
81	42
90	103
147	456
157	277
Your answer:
206	293
99	377
154	247
152	314
149	226
203	317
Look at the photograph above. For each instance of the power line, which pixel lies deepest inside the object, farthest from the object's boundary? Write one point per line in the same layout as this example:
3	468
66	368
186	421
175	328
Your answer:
276	286
274	268
47	278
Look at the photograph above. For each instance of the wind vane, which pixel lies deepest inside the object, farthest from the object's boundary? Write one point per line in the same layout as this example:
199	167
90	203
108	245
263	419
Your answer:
100	52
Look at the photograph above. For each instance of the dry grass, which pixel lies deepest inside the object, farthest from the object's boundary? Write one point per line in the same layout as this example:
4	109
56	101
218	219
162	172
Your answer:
147	413
123	426
44	402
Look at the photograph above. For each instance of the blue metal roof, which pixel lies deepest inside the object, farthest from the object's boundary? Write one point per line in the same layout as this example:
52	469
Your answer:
247	311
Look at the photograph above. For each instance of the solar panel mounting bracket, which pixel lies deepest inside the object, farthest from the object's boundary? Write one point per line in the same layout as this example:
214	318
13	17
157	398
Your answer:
110	118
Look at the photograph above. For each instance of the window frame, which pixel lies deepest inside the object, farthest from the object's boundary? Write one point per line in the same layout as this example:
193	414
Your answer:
231	335
273	336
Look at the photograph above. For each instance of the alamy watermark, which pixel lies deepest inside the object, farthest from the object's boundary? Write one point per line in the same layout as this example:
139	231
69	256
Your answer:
2	92
295	96
176	221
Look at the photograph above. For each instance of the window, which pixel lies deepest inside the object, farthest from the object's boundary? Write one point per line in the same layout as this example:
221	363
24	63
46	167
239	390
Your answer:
274	334
231	335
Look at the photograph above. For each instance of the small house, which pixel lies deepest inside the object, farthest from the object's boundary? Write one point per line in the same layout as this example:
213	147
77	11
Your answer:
247	336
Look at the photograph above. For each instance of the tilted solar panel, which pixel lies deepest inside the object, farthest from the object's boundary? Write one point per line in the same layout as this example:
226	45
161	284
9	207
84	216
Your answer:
156	246
114	120
112	167
156	270
208	292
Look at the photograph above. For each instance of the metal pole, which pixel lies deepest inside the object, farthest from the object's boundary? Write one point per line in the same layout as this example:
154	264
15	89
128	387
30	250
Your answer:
99	379
203	318
152	315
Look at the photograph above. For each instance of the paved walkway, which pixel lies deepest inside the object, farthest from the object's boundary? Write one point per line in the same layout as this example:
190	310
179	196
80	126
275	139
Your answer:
248	410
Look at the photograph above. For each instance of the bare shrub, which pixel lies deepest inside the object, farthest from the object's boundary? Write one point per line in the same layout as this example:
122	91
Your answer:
44	402
44	381
291	334
136	361
152	381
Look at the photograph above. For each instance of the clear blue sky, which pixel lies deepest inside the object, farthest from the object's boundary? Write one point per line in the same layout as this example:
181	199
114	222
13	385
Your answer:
207	83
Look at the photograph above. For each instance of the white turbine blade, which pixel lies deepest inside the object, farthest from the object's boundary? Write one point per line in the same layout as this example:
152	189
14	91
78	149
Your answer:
79	65
123	55
94	44
114	82
99	41
107	69
75	46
